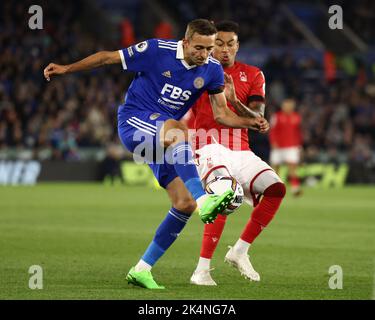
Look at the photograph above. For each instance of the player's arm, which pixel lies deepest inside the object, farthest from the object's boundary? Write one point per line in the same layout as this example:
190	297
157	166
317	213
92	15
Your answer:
258	107
225	116
93	61
255	107
256	100
231	96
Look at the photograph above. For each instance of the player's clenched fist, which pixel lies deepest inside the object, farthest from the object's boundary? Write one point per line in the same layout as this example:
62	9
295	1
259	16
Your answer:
53	69
264	126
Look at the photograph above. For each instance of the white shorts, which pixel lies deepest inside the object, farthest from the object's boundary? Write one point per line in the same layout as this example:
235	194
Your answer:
249	170
285	155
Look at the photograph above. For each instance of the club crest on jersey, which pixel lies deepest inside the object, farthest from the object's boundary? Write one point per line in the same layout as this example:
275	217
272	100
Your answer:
243	76
198	82
142	46
154	116
210	163
167	74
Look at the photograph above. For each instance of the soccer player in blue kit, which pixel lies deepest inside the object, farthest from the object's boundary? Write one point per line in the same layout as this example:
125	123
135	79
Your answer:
170	77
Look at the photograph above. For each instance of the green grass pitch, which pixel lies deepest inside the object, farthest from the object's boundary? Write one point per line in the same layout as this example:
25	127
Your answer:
87	236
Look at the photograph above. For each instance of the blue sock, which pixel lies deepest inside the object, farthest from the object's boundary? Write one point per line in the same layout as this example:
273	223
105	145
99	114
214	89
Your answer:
165	235
186	169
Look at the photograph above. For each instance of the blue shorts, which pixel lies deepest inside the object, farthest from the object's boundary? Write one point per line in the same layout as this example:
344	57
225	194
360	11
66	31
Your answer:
139	132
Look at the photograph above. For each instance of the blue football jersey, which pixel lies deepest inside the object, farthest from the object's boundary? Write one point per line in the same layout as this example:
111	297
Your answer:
164	82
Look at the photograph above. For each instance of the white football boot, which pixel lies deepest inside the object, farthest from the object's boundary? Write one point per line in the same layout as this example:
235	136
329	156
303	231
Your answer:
242	263
202	278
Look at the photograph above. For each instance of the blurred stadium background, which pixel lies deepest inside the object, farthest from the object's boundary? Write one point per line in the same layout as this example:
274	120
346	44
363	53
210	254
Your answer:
65	131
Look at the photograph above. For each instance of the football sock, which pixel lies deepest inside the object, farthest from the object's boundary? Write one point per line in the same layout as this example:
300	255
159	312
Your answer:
201	199
165	235
186	169
203	264
294	182
241	247
264	212
142	266
211	236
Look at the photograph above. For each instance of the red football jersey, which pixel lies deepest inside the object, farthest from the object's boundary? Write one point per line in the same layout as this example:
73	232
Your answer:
249	85
285	130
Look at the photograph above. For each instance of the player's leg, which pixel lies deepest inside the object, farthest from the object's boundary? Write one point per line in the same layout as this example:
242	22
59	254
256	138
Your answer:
211	236
140	142
174	137
211	164
291	158
183	205
267	183
294	180
276	159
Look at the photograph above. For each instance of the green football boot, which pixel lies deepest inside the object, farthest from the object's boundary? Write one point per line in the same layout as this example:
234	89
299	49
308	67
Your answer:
142	279
214	205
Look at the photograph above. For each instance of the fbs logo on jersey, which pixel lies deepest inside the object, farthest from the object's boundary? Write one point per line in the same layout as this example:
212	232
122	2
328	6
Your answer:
167	74
142	46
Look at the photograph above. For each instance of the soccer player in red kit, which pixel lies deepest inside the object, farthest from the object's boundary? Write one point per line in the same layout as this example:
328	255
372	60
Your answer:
286	141
225	152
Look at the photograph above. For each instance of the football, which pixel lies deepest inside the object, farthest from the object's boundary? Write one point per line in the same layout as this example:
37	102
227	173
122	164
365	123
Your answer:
220	184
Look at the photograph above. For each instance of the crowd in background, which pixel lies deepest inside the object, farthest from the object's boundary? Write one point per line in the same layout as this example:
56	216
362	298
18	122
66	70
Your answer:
262	22
338	116
57	119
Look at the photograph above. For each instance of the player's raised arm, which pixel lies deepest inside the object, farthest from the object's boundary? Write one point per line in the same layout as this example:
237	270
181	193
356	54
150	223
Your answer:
254	109
95	60
225	116
256	106
231	96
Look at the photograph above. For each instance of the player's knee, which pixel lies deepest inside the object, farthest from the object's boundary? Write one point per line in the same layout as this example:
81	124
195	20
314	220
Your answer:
182	132
174	132
277	189
186	205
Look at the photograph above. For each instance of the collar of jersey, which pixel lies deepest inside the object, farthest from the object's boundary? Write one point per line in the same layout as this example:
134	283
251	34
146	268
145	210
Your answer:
180	56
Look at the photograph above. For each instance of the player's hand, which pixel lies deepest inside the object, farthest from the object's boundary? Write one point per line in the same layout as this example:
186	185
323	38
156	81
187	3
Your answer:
229	89
264	126
259	124
53	69
254	123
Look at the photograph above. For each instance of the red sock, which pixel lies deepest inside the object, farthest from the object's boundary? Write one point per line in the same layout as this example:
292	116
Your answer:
211	236
294	182
264	211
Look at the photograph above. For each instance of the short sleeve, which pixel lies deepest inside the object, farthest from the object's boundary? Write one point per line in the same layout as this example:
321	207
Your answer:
139	57
258	88
216	84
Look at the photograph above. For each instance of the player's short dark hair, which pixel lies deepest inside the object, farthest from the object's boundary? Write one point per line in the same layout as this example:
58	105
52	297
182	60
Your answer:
203	27
228	26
